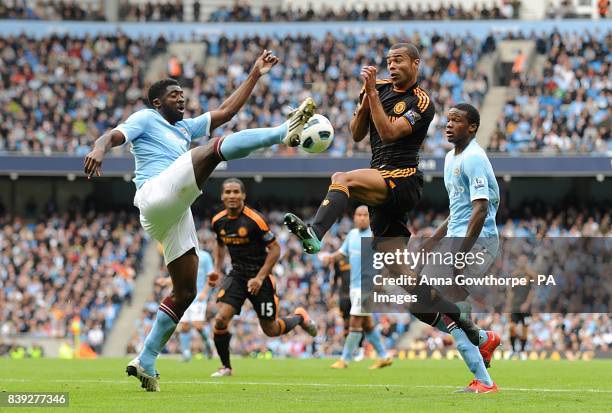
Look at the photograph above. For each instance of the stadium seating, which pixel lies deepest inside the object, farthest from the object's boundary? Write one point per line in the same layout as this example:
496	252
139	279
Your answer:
67	275
566	107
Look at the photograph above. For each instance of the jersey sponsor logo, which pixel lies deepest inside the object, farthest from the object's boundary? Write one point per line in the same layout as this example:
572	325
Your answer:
478	183
242	232
325	202
399	107
230	240
172	137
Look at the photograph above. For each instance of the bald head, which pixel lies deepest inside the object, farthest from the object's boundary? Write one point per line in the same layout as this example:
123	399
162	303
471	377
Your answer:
361	218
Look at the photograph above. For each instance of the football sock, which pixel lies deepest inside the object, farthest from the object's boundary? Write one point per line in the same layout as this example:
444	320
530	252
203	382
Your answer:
222	344
332	207
471	356
185	339
163	327
350	344
375	339
204	334
523	344
241	144
513	342
289	323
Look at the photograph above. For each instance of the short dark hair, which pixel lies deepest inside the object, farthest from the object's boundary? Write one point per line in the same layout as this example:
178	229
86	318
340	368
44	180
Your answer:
412	50
158	88
234	181
473	116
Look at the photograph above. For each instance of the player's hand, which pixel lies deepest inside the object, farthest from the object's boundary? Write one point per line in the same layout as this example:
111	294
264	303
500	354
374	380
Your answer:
368	74
212	278
264	63
254	285
365	102
93	163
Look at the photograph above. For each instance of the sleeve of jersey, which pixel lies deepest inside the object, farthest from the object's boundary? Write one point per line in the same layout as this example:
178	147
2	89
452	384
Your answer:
421	113
215	228
475	172
134	126
200	126
344	249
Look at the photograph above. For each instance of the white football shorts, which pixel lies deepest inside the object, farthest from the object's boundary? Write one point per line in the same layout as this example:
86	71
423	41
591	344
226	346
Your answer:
355	295
195	312
164	203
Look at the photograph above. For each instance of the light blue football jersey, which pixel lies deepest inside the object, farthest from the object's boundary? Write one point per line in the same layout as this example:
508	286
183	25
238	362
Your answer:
469	176
204	267
351	248
156	143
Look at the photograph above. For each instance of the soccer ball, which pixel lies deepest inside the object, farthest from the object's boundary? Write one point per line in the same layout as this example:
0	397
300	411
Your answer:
317	135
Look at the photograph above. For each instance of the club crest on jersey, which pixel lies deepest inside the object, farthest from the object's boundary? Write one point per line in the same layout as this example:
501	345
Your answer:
242	232
184	131
456	171
399	108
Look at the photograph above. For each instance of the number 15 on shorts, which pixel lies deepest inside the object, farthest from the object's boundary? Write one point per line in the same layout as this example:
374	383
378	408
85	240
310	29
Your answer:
267	309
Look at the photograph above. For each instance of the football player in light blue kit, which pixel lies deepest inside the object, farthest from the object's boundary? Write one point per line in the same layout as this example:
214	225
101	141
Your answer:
359	322
169	177
473	201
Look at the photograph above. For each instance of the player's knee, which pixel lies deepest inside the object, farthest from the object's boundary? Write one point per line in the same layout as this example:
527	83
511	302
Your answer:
220	324
270	329
340	178
186	296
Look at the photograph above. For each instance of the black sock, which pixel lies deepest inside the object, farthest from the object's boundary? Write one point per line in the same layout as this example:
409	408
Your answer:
513	342
361	341
222	344
332	208
523	344
289	323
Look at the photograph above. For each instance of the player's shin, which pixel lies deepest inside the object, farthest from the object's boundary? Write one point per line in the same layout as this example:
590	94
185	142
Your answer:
222	344
375	339
350	344
165	324
286	324
332	208
471	356
241	144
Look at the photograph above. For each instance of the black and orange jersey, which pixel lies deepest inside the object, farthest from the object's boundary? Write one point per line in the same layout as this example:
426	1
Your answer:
246	237
342	275
414	106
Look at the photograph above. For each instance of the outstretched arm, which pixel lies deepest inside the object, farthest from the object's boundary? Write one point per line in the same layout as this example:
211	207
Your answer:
232	104
93	160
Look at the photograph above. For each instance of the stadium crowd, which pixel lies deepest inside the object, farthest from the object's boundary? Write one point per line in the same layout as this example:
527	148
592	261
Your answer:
66	275
242	11
566	107
60	93
301	280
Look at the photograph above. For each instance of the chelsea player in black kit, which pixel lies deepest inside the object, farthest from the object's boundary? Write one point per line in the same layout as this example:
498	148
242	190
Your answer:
253	251
396	113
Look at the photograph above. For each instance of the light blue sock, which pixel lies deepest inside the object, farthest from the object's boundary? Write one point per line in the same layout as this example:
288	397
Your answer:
482	334
350	344
471	356
241	144
161	332
376	341
185	338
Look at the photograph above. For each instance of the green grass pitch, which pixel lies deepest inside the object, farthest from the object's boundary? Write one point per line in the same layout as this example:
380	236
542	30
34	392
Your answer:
311	386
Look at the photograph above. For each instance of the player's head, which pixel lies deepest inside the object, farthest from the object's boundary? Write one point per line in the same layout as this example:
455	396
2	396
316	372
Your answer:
166	97
403	64
463	121
233	194
361	217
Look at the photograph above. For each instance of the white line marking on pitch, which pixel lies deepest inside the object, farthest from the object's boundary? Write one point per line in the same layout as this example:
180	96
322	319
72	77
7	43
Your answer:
256	383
